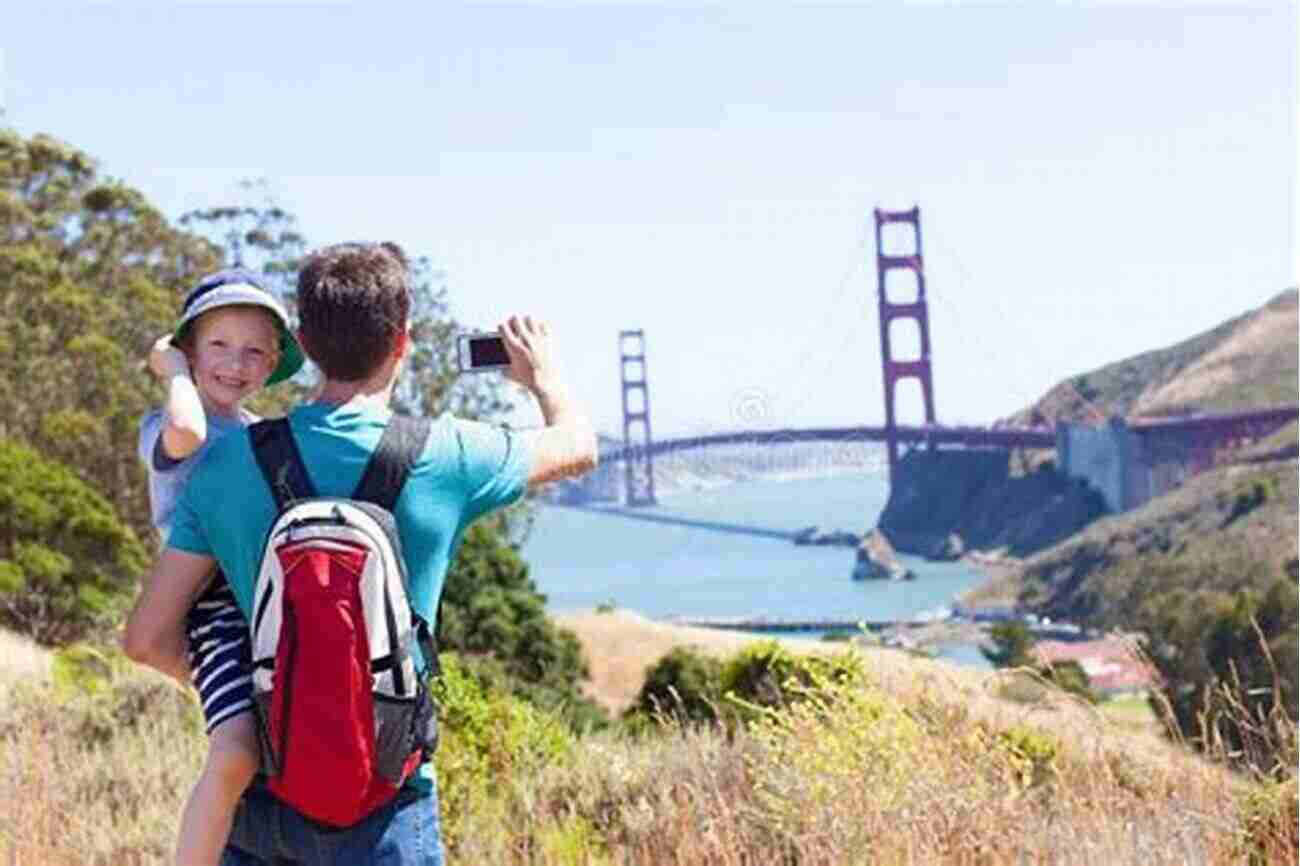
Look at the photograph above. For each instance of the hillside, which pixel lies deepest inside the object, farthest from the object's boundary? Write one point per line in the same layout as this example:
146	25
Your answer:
1247	361
1074	568
1211	526
913	762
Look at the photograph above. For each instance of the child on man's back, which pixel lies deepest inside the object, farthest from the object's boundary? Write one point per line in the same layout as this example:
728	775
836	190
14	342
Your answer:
233	338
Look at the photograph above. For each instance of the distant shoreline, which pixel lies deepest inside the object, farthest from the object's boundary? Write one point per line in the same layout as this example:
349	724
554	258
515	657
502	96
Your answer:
705	483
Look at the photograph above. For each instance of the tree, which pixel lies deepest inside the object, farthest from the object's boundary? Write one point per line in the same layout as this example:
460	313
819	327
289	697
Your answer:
685	684
90	274
1012	645
493	615
68	564
1202	642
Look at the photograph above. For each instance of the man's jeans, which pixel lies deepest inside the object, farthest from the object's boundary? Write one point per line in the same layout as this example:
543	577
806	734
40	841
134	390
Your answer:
268	833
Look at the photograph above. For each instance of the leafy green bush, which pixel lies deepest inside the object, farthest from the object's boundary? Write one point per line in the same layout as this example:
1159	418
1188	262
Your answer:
492	610
693	687
1249	496
580	713
68	564
1228	662
1270	817
684	684
1012	645
767	676
487	738
1069	676
1030	755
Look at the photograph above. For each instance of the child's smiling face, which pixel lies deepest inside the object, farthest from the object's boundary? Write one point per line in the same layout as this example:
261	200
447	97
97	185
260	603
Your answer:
233	352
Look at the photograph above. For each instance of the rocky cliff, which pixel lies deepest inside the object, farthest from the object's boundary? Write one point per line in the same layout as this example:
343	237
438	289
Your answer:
974	496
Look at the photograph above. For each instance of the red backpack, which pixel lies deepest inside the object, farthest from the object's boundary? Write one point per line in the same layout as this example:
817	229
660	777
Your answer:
344	714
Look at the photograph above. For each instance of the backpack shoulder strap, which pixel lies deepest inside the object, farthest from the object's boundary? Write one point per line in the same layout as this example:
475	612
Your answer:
399	448
280	461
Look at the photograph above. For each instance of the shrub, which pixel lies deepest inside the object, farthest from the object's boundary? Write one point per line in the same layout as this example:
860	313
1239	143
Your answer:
1228	667
1029	754
766	676
1012	645
1270	816
492	610
1247	497
581	714
68	564
488	740
684	684
1069	676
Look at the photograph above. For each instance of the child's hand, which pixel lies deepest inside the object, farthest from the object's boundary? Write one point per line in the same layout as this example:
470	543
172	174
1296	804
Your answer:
165	360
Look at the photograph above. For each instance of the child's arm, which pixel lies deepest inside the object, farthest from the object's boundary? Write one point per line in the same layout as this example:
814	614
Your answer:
186	425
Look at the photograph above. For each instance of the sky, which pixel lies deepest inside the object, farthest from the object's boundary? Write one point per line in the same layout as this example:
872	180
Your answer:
1094	179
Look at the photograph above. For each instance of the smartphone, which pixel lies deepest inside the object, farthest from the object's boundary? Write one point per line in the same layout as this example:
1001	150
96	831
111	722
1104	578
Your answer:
482	351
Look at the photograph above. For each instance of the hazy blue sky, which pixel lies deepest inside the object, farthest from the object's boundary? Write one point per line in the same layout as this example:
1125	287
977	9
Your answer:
1095	180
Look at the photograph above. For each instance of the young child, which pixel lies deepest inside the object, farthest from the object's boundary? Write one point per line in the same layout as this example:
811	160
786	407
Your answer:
232	339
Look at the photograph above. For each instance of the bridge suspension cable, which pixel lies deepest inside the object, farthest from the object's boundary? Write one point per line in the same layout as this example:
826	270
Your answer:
811	363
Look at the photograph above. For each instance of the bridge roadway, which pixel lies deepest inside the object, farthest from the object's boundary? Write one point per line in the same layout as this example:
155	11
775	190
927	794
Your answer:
765	625
970	437
974	437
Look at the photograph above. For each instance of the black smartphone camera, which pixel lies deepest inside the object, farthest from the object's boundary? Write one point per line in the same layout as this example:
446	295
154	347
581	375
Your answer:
483	351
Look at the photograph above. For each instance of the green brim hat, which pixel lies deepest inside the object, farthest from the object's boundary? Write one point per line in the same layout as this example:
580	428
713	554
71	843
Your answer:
239	287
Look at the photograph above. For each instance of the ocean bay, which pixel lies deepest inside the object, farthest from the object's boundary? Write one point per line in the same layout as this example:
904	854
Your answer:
718	552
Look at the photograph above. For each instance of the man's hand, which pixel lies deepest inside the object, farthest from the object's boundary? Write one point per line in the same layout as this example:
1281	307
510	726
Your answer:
166	361
528	343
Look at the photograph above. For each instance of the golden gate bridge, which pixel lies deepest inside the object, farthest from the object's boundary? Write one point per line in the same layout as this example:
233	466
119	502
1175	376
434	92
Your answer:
1197	441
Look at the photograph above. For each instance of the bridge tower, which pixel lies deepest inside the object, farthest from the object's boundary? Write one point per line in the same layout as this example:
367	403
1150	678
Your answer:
894	369
640	478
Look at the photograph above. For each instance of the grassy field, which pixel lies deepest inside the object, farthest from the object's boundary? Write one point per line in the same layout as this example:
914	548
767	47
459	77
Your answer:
912	762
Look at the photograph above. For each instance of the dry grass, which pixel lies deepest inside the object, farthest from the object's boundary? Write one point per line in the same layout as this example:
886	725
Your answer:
96	779
1260	353
921	764
22	660
621	645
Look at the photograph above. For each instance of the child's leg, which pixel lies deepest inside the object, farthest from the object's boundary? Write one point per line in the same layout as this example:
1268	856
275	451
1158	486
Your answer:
221	665
230	767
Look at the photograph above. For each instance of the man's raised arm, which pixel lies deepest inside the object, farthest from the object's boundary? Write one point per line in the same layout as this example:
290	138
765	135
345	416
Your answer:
566	446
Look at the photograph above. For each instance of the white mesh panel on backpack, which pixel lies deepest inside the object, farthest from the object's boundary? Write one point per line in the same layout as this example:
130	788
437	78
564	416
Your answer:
319	524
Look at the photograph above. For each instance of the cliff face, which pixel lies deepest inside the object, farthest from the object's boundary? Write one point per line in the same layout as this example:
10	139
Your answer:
973	494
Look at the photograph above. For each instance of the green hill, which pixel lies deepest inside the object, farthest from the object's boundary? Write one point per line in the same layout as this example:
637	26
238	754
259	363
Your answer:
1229	529
1215	523
1246	362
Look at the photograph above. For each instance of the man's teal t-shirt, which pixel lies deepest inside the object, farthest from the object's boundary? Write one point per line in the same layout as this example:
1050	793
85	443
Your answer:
467	469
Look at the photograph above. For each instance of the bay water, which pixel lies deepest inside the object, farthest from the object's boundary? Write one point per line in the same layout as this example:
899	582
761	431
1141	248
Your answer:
725	552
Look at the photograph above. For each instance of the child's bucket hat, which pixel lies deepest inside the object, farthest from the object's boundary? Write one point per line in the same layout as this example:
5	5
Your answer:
238	286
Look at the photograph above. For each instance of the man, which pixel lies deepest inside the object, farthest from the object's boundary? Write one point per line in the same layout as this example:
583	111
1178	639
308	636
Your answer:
354	306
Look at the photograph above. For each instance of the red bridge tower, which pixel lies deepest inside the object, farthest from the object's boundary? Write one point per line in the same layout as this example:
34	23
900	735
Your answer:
892	368
640	478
